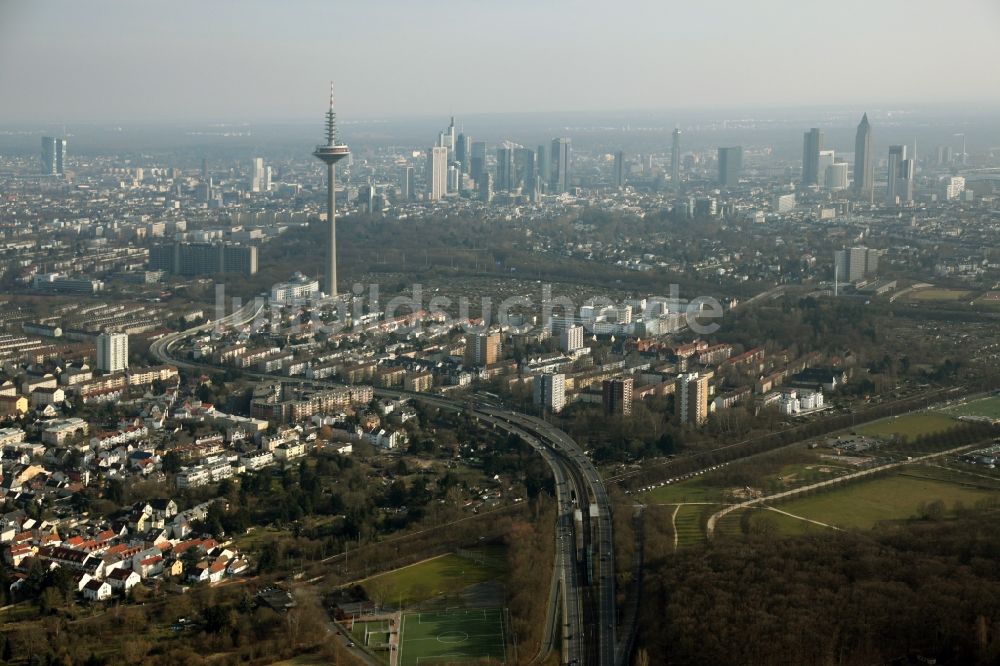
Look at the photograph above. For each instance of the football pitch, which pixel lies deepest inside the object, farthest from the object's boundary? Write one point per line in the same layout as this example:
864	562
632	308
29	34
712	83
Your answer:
444	637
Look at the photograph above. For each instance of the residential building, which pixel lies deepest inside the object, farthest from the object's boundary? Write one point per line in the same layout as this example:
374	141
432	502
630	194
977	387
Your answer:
550	392
616	396
112	352
691	397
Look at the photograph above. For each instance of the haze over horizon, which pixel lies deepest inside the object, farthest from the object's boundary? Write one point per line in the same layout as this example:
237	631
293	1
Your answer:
111	61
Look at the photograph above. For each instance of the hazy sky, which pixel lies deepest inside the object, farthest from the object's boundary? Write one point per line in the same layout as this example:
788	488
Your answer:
117	61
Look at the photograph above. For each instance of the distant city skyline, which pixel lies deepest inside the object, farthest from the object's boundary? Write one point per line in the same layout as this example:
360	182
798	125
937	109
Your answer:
111	61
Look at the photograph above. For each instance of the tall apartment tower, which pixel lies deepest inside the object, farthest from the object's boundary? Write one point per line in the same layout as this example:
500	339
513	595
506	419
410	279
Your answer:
853	264
618	175
691	398
675	159
257	174
864	174
616	396
560	157
482	348
330	154
550	392
571	338
730	166
112	352
437	173
812	144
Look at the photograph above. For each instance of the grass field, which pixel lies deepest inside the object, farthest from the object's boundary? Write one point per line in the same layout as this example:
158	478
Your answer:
988	407
940	295
448	636
908	426
765	519
898	497
445	575
688	522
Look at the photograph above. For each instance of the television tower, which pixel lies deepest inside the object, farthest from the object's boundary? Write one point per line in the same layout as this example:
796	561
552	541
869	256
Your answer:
331	153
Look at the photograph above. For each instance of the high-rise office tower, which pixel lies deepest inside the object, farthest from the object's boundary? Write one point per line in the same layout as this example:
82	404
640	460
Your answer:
812	145
544	164
675	159
204	169
864	174
485	185
618	175
48	156
550	392
477	160
560	165
836	176
616	396
406	183
505	170
462	152
524	170
53	156
257	174
112	352
437	172
330	154
730	166
450	138
60	156
691	398
899	177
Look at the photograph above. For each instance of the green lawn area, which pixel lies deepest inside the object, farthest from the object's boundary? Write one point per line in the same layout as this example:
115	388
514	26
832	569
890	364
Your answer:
765	519
940	294
910	425
443	575
863	504
689	490
688	522
453	636
988	407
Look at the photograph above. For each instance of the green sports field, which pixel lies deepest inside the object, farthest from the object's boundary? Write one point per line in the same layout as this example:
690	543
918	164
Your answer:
910	425
440	637
988	407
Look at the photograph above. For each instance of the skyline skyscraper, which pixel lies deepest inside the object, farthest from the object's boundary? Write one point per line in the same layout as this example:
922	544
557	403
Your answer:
675	159
477	160
863	168
462	151
330	154
524	170
730	165
812	145
437	173
561	150
406	183
505	169
899	176
544	164
618	175
53	156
